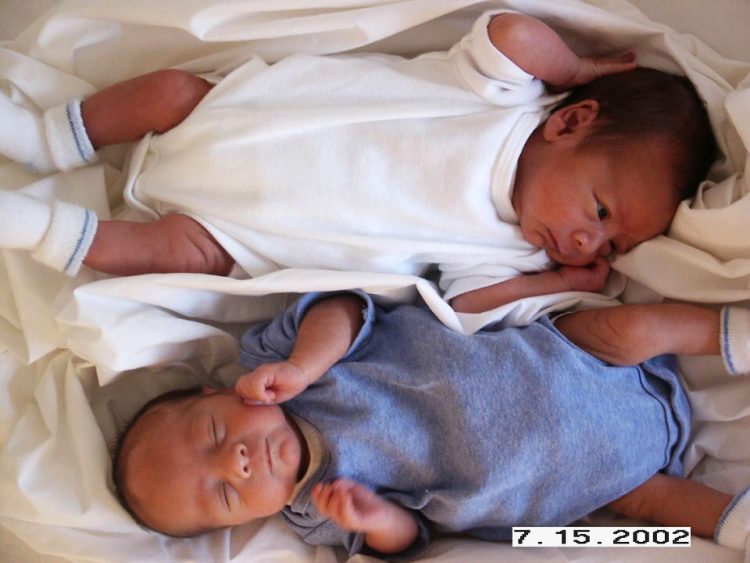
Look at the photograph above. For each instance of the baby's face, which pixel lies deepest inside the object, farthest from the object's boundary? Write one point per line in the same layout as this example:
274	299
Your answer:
579	204
210	461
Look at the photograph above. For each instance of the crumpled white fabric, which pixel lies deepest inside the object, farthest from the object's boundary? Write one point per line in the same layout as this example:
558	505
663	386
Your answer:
64	339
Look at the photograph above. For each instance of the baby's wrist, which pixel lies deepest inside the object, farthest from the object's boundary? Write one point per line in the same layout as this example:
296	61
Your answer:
556	281
305	372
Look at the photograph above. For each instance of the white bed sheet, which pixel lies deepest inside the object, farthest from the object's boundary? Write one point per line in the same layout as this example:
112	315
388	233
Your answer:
64	339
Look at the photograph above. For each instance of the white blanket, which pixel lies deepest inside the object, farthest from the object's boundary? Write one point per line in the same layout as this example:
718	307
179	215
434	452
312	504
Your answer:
63	339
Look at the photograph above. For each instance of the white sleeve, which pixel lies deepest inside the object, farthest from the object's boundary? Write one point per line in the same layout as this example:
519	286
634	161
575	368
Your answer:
58	235
488	72
56	141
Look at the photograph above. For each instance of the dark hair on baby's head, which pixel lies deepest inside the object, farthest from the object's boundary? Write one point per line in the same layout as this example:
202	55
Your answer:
647	103
118	476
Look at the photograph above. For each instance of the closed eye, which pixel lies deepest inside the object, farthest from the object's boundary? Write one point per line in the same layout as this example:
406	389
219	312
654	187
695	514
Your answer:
214	434
225	496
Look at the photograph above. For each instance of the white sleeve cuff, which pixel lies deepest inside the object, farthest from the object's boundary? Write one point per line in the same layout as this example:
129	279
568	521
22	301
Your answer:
68	142
67	241
491	74
734	524
489	60
735	340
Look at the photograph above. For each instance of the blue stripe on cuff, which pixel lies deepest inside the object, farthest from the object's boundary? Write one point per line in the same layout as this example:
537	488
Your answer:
84	234
74	126
725	342
727	514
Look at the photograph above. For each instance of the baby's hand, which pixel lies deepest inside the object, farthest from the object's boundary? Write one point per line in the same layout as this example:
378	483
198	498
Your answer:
352	506
586	278
592	68
271	383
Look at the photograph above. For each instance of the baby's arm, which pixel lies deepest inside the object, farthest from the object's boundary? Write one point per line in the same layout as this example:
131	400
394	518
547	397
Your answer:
565	278
388	527
325	334
539	50
631	334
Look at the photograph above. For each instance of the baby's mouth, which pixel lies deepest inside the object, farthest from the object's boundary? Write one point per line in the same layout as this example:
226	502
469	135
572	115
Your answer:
552	242
269	461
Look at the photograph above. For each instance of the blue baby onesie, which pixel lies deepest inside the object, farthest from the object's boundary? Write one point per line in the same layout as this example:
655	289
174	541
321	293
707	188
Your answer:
479	433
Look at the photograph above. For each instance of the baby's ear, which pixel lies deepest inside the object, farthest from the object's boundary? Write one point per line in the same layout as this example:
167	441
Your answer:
571	121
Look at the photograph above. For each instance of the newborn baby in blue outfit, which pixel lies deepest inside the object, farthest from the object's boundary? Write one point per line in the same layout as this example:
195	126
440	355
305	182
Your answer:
394	428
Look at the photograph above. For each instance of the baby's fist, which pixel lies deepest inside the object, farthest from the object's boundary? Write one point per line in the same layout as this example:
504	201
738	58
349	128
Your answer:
271	383
350	505
586	278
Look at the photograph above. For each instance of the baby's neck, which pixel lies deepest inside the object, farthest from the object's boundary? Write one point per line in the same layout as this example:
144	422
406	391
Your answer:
304	456
312	453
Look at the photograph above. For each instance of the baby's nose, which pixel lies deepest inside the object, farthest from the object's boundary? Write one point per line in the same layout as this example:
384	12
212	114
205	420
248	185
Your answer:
238	461
589	241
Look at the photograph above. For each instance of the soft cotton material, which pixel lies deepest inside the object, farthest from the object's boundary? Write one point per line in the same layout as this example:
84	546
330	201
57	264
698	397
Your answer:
507	427
734	525
359	162
58	420
58	234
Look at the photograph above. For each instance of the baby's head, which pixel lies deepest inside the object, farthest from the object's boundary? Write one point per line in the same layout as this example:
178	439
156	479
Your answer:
608	168
198	460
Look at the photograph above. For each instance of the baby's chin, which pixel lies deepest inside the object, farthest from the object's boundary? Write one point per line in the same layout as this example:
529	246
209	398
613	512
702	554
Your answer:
568	260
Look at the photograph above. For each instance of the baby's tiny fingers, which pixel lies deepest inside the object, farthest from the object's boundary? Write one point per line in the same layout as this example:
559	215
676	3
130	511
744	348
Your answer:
348	513
269	396
342	507
319	491
614	65
321	496
260	389
599	263
343	485
253	402
626	57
